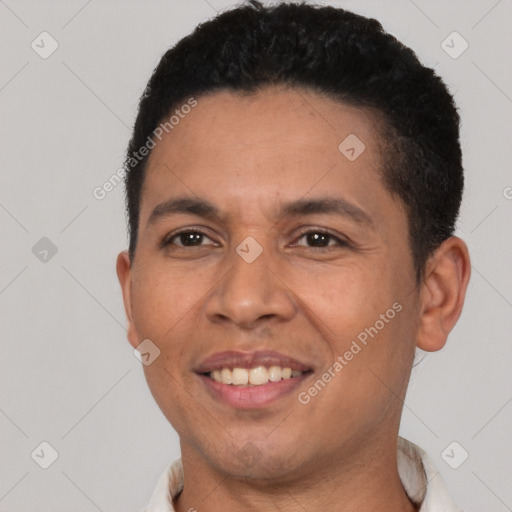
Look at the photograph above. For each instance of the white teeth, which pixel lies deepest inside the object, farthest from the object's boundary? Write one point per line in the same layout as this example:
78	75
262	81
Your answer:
274	373
254	376
258	375
226	376
240	376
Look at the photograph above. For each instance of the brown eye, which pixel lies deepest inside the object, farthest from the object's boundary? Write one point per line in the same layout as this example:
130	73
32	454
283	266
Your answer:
320	239
185	239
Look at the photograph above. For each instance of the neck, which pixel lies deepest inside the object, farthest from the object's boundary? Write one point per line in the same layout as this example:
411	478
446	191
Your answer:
369	481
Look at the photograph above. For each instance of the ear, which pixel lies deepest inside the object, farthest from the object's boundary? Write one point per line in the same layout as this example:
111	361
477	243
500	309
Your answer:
442	293
124	274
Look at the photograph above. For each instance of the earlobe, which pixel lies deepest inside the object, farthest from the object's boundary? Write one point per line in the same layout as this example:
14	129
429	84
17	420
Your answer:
124	274
442	295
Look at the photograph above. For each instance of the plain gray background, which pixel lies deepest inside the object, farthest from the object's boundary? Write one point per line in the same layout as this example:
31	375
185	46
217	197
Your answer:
68	375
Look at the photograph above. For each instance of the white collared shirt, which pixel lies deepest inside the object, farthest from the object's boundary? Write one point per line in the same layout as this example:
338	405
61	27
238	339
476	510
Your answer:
421	480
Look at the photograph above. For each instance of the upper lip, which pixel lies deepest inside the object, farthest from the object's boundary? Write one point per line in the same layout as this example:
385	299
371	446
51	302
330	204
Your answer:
238	359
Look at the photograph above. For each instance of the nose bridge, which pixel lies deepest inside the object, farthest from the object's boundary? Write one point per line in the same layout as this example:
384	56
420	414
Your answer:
250	290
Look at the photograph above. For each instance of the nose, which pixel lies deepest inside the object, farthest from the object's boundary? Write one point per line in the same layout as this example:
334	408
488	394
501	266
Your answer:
250	294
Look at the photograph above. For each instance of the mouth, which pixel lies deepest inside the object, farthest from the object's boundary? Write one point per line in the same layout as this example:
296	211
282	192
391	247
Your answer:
257	376
251	379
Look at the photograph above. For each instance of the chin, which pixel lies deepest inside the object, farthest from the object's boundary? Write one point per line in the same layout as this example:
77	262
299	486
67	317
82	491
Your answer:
257	463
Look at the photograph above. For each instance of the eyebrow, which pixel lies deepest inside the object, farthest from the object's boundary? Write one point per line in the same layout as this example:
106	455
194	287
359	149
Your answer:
329	205
301	207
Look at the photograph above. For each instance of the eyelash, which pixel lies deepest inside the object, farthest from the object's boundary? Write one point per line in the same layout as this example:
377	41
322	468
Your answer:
320	231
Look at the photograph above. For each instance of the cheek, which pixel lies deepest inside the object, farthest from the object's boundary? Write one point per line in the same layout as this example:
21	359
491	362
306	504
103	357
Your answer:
342	301
171	396
363	316
370	380
163	299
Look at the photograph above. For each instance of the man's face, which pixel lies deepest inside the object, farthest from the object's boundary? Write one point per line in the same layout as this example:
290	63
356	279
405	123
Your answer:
306	296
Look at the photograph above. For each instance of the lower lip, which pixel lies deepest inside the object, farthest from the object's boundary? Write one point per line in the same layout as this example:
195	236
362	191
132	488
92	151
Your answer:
251	397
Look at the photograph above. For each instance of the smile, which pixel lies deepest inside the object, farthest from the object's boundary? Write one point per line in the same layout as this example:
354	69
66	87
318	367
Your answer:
251	379
257	376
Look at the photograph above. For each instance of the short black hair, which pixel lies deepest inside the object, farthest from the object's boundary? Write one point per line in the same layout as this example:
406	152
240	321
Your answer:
337	53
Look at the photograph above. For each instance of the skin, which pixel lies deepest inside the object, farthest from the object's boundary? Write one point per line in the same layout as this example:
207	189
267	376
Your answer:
247	155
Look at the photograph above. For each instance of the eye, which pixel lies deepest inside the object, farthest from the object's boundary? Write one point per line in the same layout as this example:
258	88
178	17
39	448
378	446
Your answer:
320	239
190	238
315	238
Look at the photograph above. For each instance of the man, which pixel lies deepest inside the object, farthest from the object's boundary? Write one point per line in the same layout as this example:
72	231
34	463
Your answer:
293	182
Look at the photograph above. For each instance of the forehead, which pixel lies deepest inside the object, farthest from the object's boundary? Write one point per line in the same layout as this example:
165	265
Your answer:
276	115
276	144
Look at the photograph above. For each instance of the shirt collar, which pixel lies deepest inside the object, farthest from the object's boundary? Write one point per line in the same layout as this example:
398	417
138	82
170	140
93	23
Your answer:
420	478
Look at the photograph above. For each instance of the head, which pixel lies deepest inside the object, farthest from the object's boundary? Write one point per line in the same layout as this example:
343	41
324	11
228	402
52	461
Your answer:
270	120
